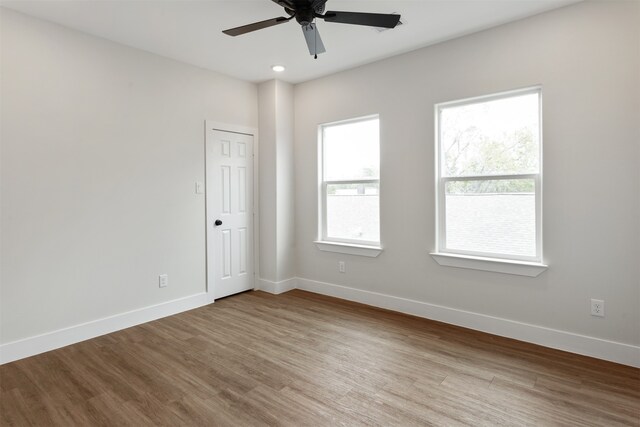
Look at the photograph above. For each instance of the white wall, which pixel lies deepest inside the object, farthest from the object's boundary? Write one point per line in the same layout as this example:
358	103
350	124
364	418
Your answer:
101	148
268	181
587	58
285	169
277	243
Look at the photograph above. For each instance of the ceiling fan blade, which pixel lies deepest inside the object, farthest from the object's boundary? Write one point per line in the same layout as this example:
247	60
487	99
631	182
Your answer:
316	4
255	26
370	19
314	42
285	3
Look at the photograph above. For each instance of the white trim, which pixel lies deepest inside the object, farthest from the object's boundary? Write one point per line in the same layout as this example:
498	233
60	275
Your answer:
277	287
226	127
492	97
490	177
354	181
575	343
349	248
63	337
589	346
520	268
440	202
322	184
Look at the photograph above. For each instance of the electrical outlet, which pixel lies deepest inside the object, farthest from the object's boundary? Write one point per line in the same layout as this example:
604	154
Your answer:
597	307
341	267
163	280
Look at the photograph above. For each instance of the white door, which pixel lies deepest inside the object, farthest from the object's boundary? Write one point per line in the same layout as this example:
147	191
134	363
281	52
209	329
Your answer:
229	167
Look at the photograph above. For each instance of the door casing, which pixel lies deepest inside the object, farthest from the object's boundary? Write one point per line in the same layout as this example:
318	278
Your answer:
226	127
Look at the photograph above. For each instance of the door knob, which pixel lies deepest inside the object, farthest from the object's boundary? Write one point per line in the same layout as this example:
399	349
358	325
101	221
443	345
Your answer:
218	222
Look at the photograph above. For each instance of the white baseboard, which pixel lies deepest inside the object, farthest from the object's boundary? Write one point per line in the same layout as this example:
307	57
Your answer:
63	337
589	346
277	287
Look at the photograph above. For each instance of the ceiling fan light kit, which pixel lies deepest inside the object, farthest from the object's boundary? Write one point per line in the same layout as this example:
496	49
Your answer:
306	12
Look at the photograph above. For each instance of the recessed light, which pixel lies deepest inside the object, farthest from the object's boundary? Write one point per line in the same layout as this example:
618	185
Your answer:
277	68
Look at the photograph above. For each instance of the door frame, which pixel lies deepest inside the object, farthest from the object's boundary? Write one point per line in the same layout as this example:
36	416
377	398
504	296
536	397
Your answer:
210	125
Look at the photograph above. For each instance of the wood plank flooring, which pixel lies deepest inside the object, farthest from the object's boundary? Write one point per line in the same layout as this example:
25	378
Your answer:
301	359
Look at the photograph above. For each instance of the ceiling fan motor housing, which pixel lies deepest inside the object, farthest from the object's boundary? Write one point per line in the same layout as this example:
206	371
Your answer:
305	16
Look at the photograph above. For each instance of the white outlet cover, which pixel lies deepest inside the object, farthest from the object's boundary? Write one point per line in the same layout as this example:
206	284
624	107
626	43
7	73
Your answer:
597	307
341	266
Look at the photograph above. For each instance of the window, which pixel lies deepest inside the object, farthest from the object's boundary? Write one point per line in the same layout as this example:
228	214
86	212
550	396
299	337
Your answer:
489	177
350	182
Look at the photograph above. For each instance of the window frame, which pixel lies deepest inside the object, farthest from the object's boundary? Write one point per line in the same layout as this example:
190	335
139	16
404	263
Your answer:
441	182
323	184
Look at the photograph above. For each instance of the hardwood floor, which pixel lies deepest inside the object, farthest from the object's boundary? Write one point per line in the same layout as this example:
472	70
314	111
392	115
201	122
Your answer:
304	359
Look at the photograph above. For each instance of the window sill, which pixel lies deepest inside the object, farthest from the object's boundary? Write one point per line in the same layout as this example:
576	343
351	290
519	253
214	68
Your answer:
520	268
349	248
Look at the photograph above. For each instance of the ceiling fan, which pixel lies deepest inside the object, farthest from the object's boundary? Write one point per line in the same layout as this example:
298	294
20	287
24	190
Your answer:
306	11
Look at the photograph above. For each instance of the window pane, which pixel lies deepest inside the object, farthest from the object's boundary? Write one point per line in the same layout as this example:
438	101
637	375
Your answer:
498	137
352	211
496	217
351	150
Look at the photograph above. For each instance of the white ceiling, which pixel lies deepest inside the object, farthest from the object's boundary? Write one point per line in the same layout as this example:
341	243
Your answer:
190	31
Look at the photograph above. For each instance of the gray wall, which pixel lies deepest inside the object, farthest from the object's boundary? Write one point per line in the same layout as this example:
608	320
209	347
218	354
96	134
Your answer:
277	243
587	59
101	148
